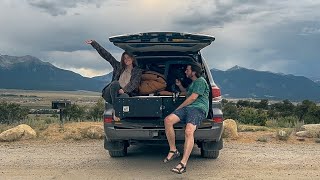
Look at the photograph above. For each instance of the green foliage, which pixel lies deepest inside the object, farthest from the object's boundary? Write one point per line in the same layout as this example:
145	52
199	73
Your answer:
253	116
284	134
74	112
284	122
230	111
313	115
302	109
248	128
12	112
96	112
264	104
284	108
263	139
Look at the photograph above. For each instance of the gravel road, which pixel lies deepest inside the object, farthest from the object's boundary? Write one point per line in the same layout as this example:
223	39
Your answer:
88	160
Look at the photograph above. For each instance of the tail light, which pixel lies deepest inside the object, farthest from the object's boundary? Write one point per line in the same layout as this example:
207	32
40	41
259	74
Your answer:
217	119
108	119
216	93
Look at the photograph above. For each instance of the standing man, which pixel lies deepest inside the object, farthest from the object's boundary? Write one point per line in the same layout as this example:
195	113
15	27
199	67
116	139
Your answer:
191	112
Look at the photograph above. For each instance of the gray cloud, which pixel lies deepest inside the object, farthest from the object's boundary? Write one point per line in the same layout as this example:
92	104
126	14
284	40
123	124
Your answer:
60	7
217	13
278	36
264	35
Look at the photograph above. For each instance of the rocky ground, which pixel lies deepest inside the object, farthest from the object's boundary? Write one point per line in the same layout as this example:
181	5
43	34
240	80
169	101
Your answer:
244	158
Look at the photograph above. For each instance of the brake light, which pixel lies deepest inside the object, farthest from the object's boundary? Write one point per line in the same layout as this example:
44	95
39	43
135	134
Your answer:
215	92
107	119
217	119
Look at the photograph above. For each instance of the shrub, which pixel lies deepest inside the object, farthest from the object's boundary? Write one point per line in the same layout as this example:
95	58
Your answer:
246	128
12	113
230	111
287	122
284	134
253	116
74	112
96	112
263	139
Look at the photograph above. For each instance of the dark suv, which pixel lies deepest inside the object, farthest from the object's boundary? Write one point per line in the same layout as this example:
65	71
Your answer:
142	116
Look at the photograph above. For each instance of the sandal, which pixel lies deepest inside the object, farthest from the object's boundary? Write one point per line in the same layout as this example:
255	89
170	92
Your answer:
180	170
175	155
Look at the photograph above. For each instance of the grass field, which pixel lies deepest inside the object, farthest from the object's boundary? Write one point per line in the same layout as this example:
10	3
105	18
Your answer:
42	99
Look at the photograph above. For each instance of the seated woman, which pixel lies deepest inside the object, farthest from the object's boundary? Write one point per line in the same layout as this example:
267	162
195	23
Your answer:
126	74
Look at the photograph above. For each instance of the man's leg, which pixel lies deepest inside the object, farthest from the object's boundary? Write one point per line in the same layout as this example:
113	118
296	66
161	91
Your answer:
188	146
169	121
189	142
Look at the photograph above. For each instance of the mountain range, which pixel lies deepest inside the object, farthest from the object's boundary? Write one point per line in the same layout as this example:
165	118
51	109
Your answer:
28	72
240	82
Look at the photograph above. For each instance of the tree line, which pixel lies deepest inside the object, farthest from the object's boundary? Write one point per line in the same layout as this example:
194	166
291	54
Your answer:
283	113
258	113
14	113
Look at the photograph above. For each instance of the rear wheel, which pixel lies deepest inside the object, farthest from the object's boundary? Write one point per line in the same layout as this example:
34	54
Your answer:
211	149
212	154
116	148
120	153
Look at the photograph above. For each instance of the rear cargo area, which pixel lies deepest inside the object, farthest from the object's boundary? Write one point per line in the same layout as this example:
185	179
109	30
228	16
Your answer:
154	107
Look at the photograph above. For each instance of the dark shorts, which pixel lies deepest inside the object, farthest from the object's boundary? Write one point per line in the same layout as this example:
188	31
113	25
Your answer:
190	115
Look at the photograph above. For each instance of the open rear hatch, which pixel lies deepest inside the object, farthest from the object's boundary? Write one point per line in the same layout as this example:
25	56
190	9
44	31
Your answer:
162	41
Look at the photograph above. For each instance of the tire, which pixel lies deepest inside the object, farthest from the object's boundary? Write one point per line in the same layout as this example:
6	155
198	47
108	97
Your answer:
116	148
210	154
121	153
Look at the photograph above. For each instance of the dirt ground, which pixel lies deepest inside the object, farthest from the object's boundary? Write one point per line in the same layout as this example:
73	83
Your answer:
245	158
61	153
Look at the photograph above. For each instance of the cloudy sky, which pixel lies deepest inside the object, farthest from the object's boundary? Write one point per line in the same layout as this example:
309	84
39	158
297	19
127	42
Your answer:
270	35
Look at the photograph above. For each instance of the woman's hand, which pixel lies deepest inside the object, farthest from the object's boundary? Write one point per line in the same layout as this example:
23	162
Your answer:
89	41
121	91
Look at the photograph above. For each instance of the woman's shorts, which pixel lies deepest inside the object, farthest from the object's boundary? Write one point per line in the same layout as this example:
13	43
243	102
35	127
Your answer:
190	115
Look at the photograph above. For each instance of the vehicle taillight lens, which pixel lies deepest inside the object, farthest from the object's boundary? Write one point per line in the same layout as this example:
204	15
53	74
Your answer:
107	119
217	119
216	92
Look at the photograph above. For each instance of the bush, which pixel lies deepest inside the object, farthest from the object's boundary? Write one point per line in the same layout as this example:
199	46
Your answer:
253	116
287	122
230	111
74	112
284	134
263	139
96	112
12	113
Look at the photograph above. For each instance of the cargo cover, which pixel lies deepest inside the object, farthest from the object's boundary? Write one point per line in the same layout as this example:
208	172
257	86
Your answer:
146	106
138	106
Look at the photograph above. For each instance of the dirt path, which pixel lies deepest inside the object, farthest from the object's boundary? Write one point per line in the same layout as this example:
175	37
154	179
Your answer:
88	160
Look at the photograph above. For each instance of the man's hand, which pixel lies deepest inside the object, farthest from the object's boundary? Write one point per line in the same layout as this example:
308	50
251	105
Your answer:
178	83
121	91
89	41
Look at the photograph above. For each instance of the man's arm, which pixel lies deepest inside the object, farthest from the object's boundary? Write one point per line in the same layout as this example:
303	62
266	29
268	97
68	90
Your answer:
178	83
189	100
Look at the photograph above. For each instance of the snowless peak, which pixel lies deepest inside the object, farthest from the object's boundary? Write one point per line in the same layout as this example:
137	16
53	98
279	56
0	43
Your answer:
10	61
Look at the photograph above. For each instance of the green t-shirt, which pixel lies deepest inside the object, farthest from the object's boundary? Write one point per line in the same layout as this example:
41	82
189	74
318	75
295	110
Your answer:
200	87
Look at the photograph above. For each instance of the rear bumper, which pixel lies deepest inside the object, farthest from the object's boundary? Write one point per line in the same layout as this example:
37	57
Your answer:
212	133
